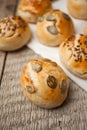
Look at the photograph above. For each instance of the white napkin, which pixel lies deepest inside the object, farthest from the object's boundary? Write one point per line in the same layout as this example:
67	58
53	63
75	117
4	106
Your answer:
52	52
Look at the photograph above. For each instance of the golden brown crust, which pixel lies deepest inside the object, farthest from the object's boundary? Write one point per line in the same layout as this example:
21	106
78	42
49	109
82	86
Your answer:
78	8
14	33
85	29
44	83
54	27
30	10
73	54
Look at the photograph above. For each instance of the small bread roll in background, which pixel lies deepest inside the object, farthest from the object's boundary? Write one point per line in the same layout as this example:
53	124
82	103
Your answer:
44	83
14	33
85	29
78	8
30	10
54	27
73	54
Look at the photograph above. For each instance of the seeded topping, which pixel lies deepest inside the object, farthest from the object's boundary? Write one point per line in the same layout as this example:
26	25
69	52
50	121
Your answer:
66	16
52	29
85	43
56	10
36	66
8	25
51	17
79	51
51	82
83	73
41	18
63	86
49	61
29	89
54	63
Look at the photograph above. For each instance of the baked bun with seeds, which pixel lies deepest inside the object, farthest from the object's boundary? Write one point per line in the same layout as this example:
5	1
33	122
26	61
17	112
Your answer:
78	8
14	33
73	54
44	83
30	10
85	29
54	27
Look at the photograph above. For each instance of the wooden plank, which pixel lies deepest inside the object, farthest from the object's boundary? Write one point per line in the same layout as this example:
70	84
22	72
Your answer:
7	7
17	112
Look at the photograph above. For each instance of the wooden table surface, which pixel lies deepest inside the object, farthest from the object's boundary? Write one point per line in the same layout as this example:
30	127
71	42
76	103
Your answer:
16	111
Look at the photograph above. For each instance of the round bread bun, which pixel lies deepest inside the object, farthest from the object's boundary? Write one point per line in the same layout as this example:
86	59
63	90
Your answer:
14	33
30	10
54	27
85	29
44	83
78	8
73	54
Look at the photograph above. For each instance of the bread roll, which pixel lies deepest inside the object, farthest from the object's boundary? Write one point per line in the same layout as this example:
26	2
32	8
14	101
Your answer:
44	83
30	10
78	8
14	33
73	54
54	27
85	29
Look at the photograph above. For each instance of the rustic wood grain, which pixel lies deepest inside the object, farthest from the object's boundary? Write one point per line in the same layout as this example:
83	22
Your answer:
18	113
7	7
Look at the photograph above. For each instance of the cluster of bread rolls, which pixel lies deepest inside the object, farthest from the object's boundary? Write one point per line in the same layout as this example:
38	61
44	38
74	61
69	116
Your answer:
53	26
14	30
42	80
